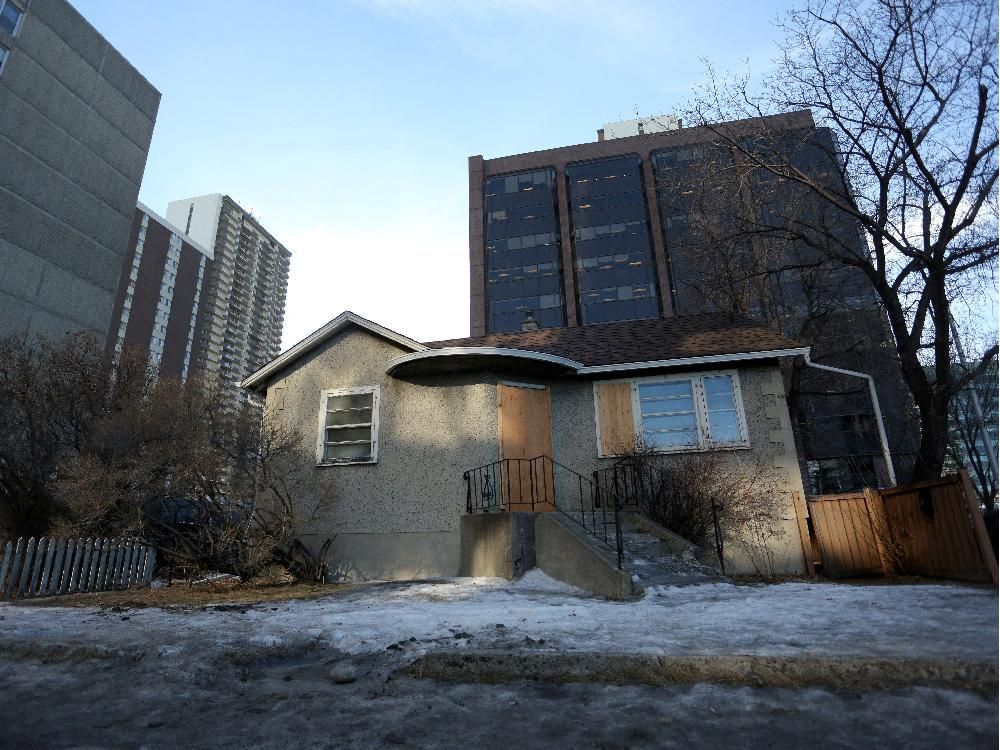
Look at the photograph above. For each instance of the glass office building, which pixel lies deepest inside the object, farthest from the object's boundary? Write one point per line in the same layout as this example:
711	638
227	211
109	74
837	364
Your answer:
523	262
612	249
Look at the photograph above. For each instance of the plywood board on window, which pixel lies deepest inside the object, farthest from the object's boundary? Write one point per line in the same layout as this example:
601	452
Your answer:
614	417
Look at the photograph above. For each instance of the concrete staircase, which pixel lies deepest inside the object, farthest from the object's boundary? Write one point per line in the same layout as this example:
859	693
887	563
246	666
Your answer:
657	557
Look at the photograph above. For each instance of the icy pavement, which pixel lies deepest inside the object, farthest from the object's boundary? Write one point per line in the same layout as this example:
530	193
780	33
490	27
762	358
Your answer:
926	621
235	676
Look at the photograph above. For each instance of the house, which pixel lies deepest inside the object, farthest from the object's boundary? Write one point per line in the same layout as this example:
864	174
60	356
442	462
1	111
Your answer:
400	426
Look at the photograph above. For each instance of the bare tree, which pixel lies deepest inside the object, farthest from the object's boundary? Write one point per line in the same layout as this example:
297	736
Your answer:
908	91
91	449
210	486
50	393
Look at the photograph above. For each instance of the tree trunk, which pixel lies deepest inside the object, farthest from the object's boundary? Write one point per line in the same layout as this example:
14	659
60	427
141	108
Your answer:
933	444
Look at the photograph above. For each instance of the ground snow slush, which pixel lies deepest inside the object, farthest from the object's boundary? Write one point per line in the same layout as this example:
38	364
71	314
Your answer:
488	663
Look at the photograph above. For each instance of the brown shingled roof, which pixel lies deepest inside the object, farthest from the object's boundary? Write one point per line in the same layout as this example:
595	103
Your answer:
679	337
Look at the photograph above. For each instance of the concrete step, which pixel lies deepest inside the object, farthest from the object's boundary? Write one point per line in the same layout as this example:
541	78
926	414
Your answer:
655	562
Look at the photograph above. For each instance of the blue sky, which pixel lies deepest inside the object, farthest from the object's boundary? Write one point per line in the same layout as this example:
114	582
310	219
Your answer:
346	125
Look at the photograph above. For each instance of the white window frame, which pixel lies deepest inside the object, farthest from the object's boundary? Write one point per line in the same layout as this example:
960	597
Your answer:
321	439
700	410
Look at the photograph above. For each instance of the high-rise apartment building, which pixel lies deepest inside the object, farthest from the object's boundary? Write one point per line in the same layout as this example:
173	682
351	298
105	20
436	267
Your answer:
76	121
161	294
243	308
639	224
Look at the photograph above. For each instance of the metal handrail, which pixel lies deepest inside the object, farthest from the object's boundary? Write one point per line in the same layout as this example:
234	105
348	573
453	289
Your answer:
543	484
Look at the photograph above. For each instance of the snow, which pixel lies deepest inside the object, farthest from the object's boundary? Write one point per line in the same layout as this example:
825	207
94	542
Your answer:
926	621
233	676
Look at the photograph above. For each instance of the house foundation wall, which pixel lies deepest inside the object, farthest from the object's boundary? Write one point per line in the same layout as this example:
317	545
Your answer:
392	557
497	544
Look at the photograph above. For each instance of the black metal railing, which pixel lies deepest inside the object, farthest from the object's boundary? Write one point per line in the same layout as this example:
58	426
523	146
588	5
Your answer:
542	484
634	482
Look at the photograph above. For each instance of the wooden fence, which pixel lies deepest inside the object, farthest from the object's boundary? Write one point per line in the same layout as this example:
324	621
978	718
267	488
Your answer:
930	528
48	567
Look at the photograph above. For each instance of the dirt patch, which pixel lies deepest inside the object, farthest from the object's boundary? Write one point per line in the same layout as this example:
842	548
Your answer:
182	595
753	671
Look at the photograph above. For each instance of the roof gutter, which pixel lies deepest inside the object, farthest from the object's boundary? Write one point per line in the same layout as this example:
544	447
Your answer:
686	361
886	455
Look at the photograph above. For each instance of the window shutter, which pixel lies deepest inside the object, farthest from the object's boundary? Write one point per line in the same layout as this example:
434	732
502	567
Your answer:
614	415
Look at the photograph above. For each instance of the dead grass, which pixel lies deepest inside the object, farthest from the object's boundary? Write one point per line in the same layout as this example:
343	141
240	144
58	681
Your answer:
185	595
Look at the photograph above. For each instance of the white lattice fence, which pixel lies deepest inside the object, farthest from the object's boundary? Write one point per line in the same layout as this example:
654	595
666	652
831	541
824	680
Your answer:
48	567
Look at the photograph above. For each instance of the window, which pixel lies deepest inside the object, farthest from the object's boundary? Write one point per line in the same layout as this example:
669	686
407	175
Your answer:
10	16
348	426
3	55
687	412
673	413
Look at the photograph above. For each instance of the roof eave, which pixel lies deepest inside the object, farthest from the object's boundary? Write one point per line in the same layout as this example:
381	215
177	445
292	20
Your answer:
693	361
257	380
483	351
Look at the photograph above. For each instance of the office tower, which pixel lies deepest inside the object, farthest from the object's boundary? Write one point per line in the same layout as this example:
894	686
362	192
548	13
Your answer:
75	126
627	228
239	328
968	446
160	297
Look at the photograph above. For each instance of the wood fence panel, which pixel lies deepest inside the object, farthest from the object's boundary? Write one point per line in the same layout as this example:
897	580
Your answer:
88	547
940	530
979	531
932	528
50	558
57	567
68	567
847	538
36	570
8	554
10	589
100	564
74	570
48	566
147	575
29	557
800	521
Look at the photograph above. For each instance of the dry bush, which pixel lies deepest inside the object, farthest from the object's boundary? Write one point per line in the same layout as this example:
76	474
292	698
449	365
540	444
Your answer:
212	488
679	492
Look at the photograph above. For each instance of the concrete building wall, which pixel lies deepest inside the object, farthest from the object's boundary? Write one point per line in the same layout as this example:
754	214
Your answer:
643	146
76	121
239	329
399	517
162	280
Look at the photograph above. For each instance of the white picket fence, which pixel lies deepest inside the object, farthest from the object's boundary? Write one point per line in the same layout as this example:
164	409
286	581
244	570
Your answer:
48	567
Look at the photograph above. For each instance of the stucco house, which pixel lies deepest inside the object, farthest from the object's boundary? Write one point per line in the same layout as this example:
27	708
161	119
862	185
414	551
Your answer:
398	424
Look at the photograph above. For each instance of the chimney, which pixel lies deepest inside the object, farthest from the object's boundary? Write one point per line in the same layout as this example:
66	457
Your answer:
529	323
600	134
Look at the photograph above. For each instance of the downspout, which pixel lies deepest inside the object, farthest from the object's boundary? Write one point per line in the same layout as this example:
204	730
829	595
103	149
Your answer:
886	455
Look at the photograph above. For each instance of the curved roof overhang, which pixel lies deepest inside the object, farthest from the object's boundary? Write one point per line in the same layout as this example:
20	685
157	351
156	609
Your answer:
469	358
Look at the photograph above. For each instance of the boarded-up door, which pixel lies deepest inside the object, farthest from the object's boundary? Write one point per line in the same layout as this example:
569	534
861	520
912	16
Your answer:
524	422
